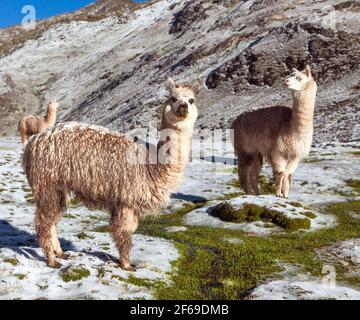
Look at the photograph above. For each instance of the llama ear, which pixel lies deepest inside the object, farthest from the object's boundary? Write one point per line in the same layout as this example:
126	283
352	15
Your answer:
308	71
170	85
295	70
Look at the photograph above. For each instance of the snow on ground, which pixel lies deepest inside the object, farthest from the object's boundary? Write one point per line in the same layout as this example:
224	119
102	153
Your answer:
302	290
347	253
24	274
298	286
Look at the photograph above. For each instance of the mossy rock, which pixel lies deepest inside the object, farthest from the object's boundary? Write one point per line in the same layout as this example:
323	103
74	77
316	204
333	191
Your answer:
226	212
289	224
74	274
252	212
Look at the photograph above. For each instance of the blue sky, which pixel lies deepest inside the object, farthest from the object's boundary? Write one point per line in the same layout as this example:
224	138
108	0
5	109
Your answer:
10	10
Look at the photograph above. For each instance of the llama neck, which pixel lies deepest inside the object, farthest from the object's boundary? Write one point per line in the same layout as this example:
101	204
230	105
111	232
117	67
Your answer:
50	117
303	110
173	152
174	145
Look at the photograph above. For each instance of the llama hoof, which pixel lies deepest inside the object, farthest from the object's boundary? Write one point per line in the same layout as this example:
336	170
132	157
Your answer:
54	265
64	256
127	267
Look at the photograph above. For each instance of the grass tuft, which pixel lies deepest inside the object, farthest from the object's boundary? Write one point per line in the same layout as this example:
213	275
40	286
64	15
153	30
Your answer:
74	274
12	261
355	184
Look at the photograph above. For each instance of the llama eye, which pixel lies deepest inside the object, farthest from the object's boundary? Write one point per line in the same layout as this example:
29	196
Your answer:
191	101
173	100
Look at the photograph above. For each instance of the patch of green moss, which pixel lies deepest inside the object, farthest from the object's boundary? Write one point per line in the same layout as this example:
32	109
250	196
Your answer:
234	183
296	204
266	185
102	229
311	160
355	184
289	224
75	274
101	272
83	235
225	211
230	195
75	202
142	282
12	261
222	270
139	282
310	214
69	216
356	153
29	198
20	276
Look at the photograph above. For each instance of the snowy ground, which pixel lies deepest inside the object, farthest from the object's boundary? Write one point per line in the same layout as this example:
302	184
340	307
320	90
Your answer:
24	274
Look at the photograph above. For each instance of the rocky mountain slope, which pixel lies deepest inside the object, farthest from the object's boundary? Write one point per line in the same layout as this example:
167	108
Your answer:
106	63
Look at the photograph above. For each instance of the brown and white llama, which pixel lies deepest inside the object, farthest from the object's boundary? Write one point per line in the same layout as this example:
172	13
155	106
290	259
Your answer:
281	135
30	125
108	170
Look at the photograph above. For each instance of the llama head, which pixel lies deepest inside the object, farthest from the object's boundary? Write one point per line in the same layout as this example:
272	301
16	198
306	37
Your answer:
53	105
298	80
181	111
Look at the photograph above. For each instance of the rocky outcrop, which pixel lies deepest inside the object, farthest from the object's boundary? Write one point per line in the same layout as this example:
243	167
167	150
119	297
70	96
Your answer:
268	60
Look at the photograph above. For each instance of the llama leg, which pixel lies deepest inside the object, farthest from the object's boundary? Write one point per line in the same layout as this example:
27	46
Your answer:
279	165
43	225
56	244
255	172
124	223
290	169
244	171
50	207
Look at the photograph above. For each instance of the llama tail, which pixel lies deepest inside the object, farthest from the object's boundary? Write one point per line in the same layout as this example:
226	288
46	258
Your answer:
26	159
